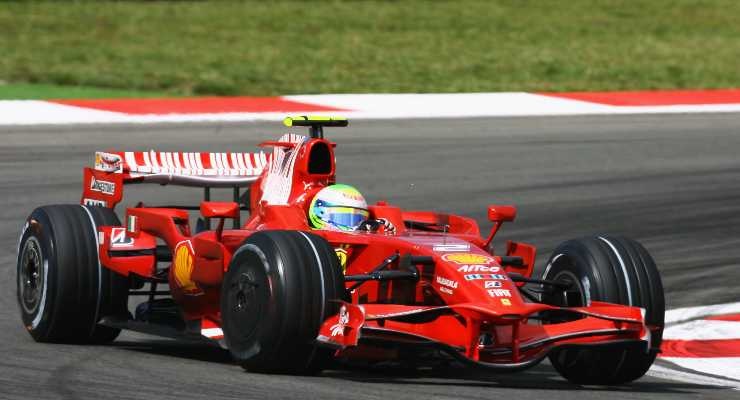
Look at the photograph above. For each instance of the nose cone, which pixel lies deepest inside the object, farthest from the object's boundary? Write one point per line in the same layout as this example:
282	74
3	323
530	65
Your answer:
465	273
481	279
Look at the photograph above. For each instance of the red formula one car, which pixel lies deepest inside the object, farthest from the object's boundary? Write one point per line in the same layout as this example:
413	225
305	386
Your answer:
286	297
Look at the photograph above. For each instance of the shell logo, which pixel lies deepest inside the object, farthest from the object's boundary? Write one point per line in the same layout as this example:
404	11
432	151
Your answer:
467	258
183	268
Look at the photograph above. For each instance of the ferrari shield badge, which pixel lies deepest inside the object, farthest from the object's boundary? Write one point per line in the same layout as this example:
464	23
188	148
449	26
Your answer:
342	255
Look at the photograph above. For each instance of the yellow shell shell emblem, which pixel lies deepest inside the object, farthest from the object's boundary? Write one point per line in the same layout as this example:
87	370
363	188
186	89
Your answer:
467	258
183	267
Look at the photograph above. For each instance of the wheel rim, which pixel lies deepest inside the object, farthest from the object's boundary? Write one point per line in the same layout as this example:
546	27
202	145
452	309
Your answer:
31	275
246	303
574	296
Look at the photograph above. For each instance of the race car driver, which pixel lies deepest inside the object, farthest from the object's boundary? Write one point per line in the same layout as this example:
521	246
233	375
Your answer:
341	207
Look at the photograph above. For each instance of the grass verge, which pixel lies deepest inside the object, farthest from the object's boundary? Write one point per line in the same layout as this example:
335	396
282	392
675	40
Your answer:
39	91
282	47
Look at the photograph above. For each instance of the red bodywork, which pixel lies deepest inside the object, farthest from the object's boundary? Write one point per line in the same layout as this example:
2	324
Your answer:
463	303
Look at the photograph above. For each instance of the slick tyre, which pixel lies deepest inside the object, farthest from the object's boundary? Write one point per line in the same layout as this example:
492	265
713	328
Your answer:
62	289
612	269
280	287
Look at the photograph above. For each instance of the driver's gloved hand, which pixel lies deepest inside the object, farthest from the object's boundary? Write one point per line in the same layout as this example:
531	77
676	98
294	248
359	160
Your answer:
369	225
387	225
372	225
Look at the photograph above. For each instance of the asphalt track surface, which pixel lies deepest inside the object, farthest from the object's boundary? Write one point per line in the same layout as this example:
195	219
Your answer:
671	182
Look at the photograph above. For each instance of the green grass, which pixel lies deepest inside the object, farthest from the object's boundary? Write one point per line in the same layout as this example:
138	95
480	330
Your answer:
267	48
33	91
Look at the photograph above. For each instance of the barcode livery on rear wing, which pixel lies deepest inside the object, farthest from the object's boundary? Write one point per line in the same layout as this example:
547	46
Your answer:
192	164
103	184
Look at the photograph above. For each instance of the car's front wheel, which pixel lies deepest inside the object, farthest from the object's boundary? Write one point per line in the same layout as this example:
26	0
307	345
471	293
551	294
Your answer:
280	287
611	269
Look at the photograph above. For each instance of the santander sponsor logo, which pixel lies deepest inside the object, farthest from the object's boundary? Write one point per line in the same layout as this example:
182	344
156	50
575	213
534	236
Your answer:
478	268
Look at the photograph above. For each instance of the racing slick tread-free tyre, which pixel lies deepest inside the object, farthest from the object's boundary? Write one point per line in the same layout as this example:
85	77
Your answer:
280	287
612	269
62	289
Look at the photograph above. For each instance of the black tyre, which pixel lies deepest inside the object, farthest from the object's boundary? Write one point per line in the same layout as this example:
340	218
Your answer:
612	269
280	287
62	289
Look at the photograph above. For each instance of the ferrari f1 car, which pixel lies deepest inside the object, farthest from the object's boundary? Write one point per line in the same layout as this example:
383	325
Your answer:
284	297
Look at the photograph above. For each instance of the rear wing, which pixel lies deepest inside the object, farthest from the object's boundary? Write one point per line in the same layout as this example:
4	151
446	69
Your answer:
103	183
190	169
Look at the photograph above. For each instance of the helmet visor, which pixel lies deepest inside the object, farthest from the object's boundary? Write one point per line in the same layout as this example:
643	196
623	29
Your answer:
344	218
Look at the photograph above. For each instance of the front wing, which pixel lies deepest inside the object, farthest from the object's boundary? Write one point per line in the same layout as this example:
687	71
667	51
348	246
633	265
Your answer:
487	337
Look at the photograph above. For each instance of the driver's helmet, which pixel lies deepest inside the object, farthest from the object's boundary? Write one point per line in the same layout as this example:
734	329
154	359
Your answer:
338	207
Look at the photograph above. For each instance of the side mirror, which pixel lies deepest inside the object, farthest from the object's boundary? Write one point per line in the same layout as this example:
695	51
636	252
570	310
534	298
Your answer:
214	209
222	210
501	213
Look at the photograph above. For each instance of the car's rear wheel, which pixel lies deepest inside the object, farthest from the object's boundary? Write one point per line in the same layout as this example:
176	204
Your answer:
280	287
62	289
610	269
